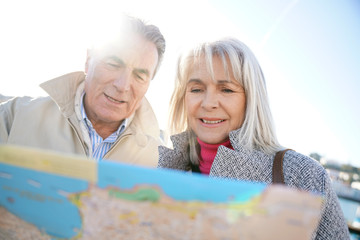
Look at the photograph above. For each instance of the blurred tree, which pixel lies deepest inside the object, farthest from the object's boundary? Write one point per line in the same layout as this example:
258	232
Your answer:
316	156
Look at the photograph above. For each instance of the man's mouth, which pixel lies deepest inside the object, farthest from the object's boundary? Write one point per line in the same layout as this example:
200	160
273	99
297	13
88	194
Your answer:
211	122
113	99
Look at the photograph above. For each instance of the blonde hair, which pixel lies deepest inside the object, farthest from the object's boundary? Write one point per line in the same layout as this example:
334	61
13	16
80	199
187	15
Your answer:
257	130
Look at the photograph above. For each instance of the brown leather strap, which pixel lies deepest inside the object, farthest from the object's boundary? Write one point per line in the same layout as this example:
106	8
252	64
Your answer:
277	170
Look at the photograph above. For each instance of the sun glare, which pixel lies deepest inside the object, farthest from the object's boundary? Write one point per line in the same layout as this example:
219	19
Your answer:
46	39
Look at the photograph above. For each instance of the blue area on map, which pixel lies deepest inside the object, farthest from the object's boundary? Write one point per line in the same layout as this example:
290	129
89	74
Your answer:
178	185
37	198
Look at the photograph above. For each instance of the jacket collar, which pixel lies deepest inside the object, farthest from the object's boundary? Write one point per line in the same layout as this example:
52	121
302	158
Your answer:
180	140
144	121
235	143
63	91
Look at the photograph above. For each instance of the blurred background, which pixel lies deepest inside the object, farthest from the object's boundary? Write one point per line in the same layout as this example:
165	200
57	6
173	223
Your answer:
309	52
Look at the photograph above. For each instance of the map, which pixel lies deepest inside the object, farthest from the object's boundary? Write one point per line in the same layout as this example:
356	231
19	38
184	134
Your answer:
47	195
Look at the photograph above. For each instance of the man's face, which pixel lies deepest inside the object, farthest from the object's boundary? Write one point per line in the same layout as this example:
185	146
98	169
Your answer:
117	79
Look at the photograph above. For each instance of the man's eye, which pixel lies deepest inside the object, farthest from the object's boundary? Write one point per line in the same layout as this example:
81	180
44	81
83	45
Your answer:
139	77
112	65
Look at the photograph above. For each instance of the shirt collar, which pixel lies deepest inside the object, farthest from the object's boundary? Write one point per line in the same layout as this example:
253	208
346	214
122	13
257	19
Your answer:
89	125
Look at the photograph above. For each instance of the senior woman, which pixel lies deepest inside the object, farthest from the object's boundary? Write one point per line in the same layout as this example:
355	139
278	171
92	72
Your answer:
220	115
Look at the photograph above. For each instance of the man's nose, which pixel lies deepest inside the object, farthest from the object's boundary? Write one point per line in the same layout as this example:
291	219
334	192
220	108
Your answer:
210	100
122	82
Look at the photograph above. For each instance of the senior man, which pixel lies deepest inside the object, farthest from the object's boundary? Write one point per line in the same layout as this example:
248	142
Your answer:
102	112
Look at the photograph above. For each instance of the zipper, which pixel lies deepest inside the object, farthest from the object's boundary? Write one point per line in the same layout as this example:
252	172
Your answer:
121	138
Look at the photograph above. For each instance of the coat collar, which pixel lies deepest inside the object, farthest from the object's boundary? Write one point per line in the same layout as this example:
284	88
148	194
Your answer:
63	91
240	163
180	140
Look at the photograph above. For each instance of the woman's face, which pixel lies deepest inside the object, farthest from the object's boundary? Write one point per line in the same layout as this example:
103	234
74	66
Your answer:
214	108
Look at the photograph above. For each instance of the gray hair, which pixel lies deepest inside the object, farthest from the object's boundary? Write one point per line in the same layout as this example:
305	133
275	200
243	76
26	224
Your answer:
151	33
257	130
126	25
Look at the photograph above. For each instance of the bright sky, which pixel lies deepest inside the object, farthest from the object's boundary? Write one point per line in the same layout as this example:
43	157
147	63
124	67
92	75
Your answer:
309	52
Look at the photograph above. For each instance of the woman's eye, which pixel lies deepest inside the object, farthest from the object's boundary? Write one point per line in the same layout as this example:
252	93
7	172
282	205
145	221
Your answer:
195	90
227	90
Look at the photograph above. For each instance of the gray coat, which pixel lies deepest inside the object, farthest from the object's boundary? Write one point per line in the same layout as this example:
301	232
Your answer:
300	172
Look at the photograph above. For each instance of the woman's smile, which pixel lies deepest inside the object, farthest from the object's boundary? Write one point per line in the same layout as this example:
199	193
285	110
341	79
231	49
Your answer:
215	103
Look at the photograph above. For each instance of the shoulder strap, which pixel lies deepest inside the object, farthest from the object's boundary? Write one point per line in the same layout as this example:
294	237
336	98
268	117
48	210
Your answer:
277	170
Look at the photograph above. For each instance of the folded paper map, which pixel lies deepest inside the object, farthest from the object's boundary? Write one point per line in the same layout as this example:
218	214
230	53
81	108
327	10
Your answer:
48	195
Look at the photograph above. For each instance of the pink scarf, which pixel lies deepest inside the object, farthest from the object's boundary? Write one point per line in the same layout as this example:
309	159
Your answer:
208	153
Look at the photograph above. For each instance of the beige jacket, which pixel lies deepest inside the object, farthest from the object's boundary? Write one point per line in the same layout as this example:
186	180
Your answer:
54	123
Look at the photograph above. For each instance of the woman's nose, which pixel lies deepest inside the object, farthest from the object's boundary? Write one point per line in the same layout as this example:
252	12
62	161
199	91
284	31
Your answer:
210	100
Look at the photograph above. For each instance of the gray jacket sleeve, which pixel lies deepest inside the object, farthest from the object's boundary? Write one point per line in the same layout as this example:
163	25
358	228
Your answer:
304	173
332	223
300	171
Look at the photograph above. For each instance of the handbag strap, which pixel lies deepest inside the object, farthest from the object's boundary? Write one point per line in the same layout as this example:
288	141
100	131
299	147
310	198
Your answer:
277	170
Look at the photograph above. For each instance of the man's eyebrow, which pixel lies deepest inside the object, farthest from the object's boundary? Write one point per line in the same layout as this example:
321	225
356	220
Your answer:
121	62
116	59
